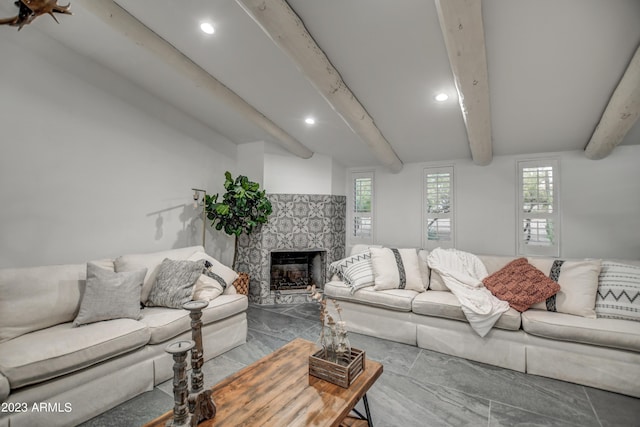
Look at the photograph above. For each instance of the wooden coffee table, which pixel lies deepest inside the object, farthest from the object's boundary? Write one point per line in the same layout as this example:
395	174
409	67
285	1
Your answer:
278	391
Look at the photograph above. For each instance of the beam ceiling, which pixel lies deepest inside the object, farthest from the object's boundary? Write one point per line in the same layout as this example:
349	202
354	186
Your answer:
622	112
288	32
462	28
119	19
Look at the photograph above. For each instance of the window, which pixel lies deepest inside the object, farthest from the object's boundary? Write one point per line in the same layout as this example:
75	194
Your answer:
362	207
538	219
438	230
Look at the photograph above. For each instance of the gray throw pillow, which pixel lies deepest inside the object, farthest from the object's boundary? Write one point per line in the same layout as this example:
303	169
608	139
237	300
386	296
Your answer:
109	295
175	283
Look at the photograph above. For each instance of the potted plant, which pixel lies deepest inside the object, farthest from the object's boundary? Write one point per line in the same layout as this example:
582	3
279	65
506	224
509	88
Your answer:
243	207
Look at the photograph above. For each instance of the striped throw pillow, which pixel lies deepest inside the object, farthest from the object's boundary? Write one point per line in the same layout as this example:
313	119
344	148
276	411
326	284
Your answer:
356	271
396	269
618	294
578	282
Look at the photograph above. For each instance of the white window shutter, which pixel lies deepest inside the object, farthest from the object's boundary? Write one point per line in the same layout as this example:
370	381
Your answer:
538	217
438	210
362	207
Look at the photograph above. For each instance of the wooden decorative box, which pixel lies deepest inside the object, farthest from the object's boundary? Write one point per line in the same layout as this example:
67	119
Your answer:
334	373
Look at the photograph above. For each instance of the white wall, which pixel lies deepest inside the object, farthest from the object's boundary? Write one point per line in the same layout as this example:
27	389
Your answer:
599	200
601	204
338	177
285	173
251	161
92	166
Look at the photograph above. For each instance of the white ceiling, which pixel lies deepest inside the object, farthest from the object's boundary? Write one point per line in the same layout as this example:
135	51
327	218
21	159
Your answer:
552	67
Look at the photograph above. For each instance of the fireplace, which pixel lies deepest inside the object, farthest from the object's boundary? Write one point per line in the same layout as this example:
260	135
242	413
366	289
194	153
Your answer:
299	223
292	271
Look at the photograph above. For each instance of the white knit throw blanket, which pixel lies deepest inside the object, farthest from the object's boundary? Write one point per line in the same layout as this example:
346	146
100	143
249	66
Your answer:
462	273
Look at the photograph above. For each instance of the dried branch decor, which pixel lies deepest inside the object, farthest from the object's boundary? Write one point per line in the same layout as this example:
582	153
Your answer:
333	334
336	362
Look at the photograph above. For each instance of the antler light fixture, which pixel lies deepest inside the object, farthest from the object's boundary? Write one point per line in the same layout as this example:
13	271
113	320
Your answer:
31	9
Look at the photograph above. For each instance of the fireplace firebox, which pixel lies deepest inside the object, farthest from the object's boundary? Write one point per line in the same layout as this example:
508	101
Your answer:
292	271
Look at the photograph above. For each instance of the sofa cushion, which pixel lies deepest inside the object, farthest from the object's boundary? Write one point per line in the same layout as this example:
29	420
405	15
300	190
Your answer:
494	263
49	353
151	261
621	334
38	297
109	295
396	269
106	263
618	295
166	323
436	282
446	305
393	299
175	283
520	284
578	285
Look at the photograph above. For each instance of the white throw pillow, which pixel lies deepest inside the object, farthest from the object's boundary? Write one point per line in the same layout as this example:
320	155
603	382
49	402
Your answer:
230	290
396	269
217	279
110	295
578	282
436	283
356	270
226	273
338	267
618	294
207	288
359	275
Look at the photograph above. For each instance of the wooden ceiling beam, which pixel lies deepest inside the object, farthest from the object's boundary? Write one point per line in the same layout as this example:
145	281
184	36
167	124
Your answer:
122	21
463	31
287	31
622	112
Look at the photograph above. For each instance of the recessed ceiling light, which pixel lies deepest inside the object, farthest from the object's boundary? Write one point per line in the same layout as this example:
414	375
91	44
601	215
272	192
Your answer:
206	27
310	121
441	97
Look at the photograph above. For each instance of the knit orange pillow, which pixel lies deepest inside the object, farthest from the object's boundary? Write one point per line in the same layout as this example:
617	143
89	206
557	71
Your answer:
521	284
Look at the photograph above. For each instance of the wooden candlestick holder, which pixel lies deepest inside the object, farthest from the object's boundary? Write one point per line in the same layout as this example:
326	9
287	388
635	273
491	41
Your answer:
181	414
201	404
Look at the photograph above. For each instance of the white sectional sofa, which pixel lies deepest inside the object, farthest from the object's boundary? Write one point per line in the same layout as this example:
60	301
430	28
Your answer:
55	374
597	352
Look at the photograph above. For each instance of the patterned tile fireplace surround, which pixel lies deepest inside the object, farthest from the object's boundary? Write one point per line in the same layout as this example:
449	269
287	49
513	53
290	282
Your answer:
300	223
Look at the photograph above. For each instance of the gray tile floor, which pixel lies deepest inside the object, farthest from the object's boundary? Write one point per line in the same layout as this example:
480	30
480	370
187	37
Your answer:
418	387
